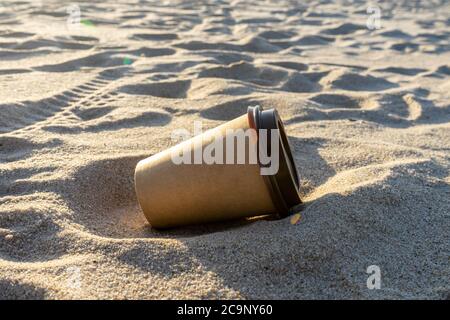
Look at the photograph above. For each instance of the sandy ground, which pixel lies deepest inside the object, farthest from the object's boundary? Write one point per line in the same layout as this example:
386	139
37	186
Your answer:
367	112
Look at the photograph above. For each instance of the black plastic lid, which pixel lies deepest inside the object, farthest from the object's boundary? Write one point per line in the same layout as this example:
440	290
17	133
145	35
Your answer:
284	184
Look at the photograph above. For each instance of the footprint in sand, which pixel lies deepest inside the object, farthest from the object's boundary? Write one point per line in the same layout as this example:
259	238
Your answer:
104	59
402	71
29	115
19	290
344	29
230	109
14	148
15	34
249	44
244	71
23	224
340	79
168	89
154	36
330	100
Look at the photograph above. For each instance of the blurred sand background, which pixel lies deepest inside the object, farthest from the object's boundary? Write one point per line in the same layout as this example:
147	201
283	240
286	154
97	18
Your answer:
367	112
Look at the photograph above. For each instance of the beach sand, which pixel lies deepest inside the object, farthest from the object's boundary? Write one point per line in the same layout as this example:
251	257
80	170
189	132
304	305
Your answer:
367	112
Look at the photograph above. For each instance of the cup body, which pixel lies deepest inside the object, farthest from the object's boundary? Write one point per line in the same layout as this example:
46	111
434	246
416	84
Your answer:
174	194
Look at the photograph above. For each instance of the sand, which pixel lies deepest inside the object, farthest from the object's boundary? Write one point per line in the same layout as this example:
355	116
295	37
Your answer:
367	112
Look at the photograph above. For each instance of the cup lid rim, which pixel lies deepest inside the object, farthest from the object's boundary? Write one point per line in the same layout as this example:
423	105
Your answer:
285	183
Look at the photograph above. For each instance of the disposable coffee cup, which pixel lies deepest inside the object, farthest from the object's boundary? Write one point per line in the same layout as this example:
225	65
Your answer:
242	168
